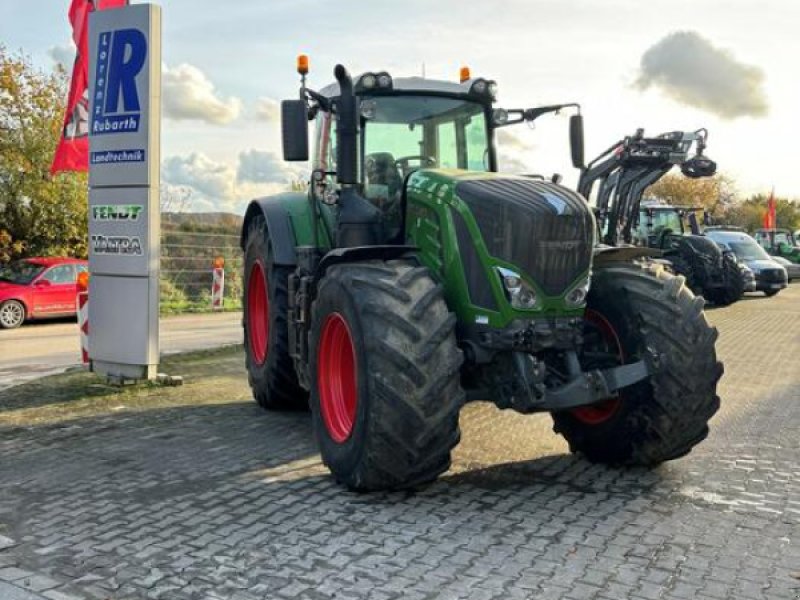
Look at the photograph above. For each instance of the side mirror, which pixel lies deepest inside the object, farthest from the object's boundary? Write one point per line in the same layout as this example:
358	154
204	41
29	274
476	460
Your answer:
294	130
42	283
576	140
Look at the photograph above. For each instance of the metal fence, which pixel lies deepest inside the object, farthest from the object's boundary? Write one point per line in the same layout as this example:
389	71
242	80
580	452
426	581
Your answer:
187	259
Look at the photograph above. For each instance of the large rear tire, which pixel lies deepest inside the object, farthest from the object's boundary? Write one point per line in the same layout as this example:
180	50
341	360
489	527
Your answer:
644	309
386	388
270	368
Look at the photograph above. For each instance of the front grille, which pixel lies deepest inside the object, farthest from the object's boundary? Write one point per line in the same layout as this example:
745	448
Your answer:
542	228
773	275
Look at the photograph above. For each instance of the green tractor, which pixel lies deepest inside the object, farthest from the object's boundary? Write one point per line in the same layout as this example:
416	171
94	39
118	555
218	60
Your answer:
412	278
779	242
620	176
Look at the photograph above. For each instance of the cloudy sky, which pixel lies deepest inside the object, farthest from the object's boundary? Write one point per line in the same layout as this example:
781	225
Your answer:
728	65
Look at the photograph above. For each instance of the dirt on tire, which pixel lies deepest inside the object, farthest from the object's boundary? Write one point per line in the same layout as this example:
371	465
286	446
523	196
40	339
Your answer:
408	381
665	416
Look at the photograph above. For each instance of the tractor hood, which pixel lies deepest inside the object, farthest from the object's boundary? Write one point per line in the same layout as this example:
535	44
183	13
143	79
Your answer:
545	230
703	245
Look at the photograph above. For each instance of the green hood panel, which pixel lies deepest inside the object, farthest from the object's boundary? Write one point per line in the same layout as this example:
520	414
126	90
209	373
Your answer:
451	234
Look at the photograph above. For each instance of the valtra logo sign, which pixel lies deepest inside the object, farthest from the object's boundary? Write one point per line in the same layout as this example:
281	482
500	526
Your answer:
121	56
120	244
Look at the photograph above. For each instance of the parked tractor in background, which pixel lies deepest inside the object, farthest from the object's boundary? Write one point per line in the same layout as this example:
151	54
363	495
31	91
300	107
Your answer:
623	173
412	278
710	270
779	242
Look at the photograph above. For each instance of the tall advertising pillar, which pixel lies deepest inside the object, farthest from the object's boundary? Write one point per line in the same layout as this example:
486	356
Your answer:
124	217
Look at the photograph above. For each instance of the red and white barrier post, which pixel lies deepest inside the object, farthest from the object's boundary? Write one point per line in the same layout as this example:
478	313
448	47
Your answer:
83	314
218	284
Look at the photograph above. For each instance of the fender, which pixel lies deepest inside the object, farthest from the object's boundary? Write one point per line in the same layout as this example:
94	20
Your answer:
277	215
361	253
606	254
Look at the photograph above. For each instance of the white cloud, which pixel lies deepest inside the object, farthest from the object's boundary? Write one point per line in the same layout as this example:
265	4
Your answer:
267	109
63	54
263	166
188	94
689	69
215	185
197	171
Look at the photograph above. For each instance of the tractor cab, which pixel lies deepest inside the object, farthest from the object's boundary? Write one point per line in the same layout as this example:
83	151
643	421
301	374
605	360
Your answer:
779	242
373	131
662	226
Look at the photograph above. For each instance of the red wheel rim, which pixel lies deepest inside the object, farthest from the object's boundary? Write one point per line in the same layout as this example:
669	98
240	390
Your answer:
258	313
603	411
336	378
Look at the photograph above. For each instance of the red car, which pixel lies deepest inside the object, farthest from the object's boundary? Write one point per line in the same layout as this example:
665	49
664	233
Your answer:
36	288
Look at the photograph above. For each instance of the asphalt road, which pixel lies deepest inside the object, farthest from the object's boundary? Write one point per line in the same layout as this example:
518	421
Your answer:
46	347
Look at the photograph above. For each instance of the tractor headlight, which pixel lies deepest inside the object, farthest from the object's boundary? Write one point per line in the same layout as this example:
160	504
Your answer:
577	295
520	294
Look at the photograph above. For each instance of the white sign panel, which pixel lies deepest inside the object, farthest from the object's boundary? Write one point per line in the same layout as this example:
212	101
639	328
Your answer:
124	220
124	103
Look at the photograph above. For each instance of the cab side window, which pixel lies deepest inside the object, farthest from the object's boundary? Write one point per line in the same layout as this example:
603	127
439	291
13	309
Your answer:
61	275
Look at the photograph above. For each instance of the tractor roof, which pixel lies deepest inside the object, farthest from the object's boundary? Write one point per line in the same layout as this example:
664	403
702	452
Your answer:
410	84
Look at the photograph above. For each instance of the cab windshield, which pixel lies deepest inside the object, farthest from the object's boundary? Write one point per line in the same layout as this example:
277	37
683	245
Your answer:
748	250
653	224
21	272
425	131
401	134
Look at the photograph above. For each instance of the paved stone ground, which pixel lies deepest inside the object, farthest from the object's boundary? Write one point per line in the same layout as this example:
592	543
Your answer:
217	500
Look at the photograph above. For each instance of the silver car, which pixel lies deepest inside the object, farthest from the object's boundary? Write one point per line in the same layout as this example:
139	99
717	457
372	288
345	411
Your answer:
771	277
792	269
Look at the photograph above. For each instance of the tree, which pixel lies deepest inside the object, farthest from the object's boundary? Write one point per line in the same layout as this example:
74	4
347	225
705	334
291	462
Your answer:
39	214
715	194
750	213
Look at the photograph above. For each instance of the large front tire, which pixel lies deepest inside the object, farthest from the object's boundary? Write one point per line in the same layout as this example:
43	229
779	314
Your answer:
386	388
270	368
643	310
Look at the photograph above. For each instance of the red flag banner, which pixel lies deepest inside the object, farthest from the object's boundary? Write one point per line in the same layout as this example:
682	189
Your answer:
770	218
72	152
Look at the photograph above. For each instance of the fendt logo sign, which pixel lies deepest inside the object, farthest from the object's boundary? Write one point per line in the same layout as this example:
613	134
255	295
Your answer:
116	212
121	56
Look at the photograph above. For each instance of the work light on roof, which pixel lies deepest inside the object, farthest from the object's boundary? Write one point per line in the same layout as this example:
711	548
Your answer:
369	81
374	81
483	87
500	116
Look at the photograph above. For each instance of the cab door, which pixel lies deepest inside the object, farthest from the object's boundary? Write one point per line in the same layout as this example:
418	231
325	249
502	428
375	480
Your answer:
55	291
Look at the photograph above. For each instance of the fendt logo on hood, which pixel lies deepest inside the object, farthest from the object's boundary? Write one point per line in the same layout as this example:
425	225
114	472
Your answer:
120	57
